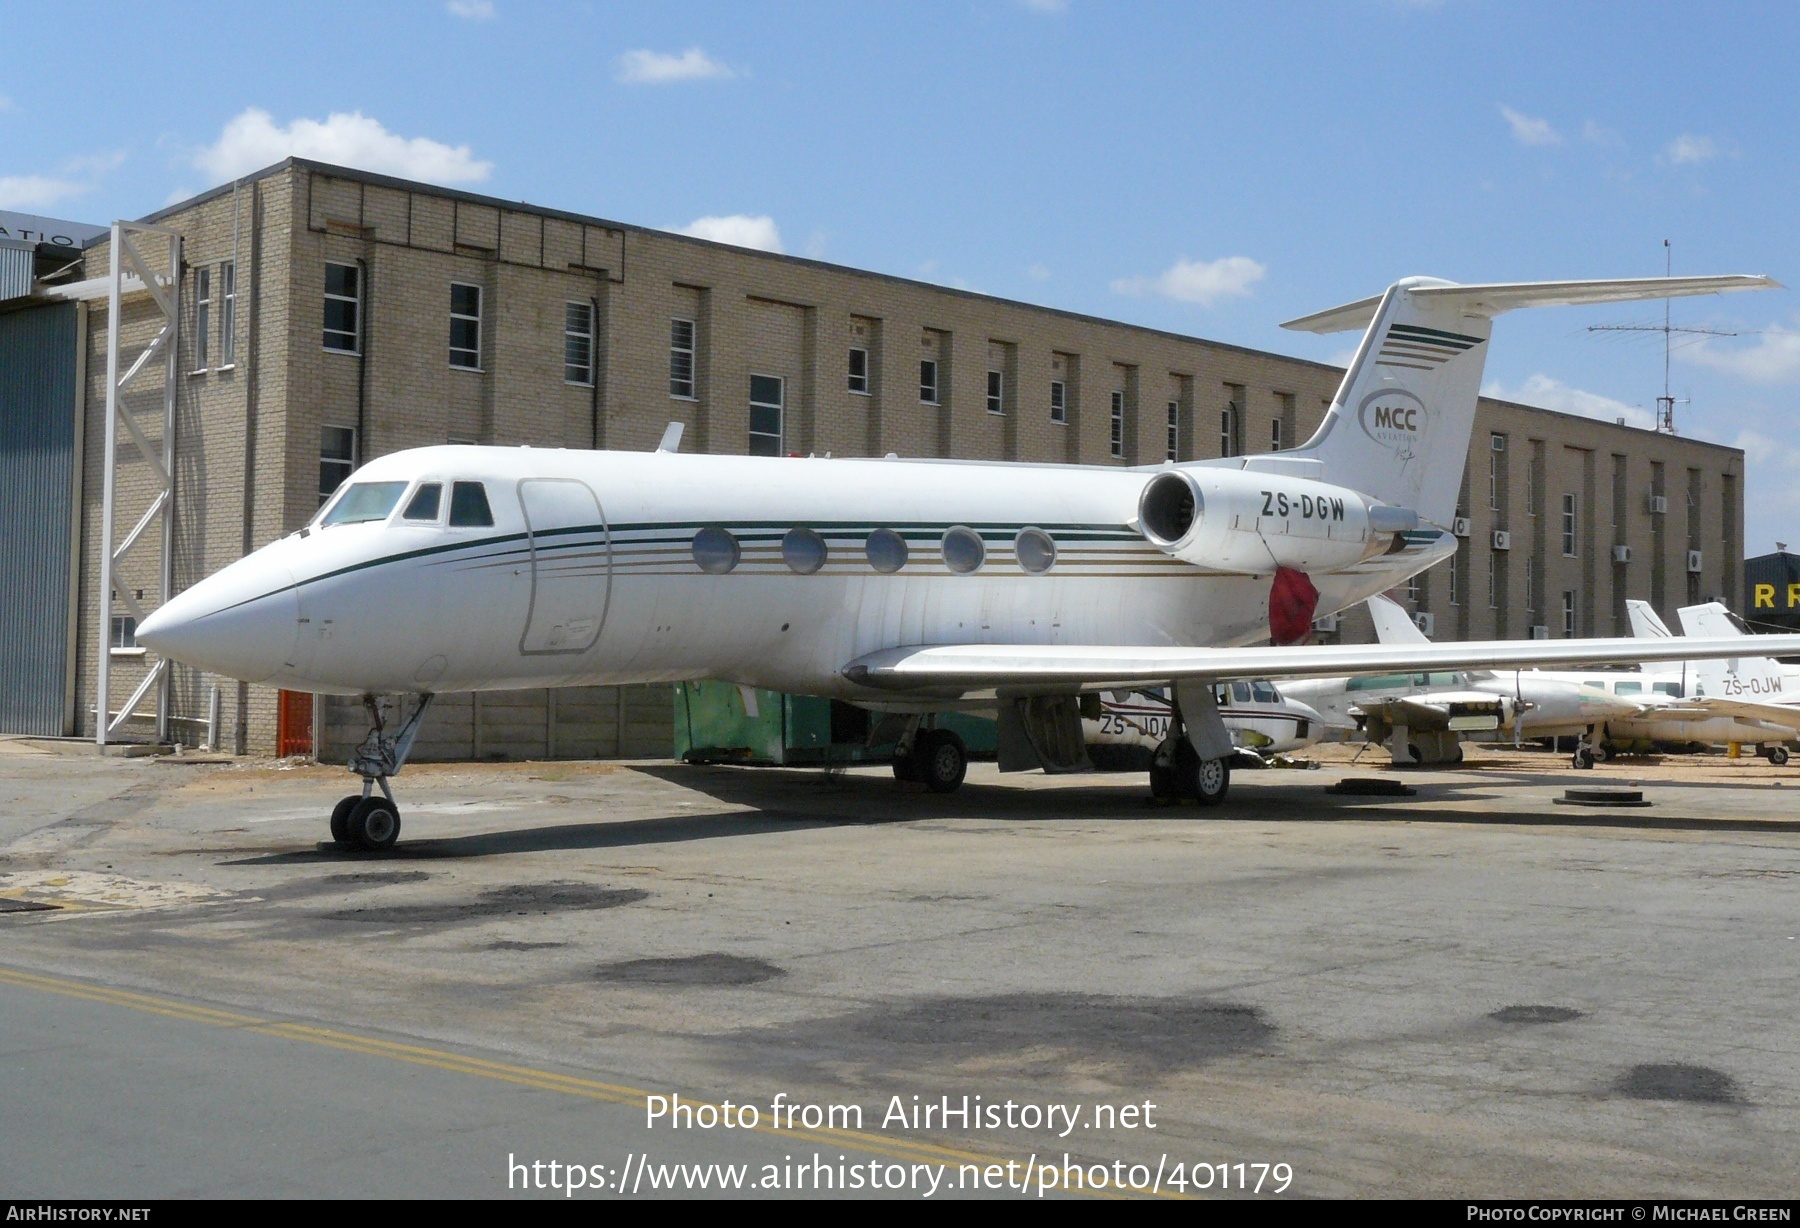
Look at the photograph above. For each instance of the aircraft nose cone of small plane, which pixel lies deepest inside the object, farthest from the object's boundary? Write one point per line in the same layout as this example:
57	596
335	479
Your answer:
240	622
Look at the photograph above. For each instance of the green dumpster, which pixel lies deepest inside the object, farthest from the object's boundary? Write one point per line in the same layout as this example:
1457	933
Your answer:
719	722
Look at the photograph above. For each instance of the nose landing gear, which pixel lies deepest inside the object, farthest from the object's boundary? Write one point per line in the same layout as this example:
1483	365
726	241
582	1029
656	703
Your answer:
364	820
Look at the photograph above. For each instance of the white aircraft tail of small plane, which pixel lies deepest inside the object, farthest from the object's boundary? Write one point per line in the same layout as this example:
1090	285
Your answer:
904	586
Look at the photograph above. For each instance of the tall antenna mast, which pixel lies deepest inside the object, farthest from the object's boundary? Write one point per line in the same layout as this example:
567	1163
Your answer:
1665	404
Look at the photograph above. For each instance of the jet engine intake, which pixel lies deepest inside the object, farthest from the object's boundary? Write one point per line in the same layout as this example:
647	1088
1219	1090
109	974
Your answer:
1247	522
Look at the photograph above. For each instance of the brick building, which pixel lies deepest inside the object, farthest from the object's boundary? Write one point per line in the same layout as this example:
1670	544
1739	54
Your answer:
329	316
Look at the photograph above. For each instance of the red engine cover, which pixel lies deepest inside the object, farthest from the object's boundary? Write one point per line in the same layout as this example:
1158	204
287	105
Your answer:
1292	603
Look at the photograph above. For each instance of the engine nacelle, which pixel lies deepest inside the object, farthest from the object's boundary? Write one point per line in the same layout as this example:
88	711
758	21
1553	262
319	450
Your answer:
1248	522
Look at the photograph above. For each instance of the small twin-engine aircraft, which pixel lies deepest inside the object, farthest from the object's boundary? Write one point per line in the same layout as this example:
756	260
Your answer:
905	586
1258	718
1424	717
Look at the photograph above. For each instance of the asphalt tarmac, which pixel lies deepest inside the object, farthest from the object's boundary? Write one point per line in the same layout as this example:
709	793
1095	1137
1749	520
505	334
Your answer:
1471	991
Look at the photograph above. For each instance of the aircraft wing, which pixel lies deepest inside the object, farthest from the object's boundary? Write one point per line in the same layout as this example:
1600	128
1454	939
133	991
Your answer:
1747	709
956	668
1439	710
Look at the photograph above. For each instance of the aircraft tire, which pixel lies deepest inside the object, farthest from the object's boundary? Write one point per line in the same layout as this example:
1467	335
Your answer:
1600	752
1583	758
1212	781
340	818
374	824
906	767
945	761
1778	755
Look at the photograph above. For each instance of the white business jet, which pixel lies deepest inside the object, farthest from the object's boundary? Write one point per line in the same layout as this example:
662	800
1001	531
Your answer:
1752	700
905	586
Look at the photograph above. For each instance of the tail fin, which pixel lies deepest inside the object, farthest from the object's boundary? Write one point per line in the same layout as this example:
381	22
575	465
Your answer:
1745	677
1399	426
1393	625
1645	625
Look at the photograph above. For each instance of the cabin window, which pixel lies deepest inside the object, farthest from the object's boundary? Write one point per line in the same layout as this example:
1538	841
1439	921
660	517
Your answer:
964	550
716	551
365	501
803	551
1035	550
425	502
1380	682
886	550
469	506
1628	688
1668	688
1240	692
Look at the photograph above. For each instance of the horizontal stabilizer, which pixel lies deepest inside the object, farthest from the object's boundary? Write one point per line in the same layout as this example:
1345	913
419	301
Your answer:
1496	297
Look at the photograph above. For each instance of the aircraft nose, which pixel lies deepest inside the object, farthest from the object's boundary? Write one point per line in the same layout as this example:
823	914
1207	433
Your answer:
240	622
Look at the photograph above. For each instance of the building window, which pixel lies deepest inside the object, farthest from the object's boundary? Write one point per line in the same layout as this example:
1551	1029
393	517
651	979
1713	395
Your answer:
1531	586
202	316
1275	434
928	381
859	370
1493	579
1118	424
681	359
1412	588
578	343
996	403
1230	423
1456	578
124	633
1569	614
343	308
1173	439
765	415
1496	446
1059	401
1568	526
465	326
228	313
337	459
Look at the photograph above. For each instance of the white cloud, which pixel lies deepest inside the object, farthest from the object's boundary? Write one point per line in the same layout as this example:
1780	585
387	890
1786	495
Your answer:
1760	449
472	10
1774	358
1541	390
37	191
253	141
1198	281
1038	272
657	68
1689	150
6	104
1045	6
738	229
1529	131
1594	134
76	177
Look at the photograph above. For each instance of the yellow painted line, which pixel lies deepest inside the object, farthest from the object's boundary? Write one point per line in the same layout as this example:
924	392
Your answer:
523	1076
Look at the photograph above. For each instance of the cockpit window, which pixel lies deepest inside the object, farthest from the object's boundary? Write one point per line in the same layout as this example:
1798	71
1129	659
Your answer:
469	506
425	502
1263	693
365	501
1240	692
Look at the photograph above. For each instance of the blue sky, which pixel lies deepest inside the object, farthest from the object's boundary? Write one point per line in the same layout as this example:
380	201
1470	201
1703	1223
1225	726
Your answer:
1208	169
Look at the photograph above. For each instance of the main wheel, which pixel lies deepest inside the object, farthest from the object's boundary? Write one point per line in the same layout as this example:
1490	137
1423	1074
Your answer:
374	824
1212	780
1601	754
340	818
945	762
1778	755
906	767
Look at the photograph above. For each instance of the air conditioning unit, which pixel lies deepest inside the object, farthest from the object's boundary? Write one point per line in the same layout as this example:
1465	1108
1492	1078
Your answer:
1621	554
1540	632
1694	567
1502	540
1657	505
1425	622
1325	623
1460	526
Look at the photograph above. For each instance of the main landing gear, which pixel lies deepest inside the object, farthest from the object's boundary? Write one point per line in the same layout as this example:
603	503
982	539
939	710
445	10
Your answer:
1178	771
936	758
364	820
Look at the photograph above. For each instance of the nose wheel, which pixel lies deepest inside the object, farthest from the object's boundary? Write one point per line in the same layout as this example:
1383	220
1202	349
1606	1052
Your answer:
369	820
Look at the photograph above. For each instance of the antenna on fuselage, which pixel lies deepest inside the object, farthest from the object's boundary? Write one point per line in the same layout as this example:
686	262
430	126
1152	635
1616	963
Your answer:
671	439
